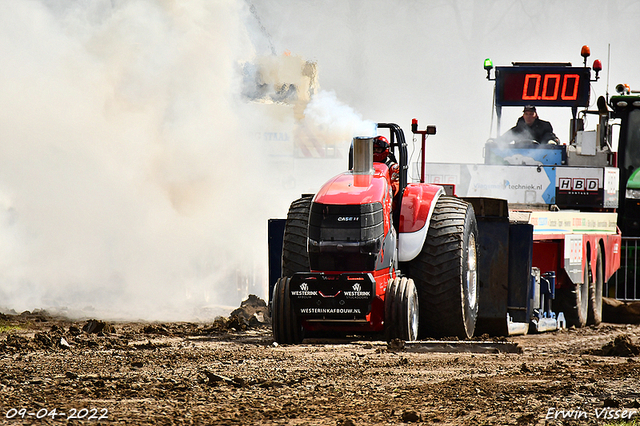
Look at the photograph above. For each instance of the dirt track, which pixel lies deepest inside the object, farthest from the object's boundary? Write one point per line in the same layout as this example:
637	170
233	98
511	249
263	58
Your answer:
183	373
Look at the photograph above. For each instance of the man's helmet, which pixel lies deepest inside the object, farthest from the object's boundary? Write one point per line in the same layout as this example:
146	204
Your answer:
380	149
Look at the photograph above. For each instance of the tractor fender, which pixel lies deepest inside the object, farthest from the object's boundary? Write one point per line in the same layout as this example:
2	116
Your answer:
418	202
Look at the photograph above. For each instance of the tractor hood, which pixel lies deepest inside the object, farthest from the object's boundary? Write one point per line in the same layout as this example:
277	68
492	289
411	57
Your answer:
350	188
348	224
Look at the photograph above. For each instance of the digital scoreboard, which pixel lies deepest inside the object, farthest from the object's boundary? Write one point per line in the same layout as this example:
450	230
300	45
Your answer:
543	86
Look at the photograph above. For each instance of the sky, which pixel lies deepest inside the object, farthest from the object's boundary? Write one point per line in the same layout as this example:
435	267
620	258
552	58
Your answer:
136	181
393	61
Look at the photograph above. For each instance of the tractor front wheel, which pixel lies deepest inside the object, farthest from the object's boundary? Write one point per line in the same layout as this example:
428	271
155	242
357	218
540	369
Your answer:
401	310
285	323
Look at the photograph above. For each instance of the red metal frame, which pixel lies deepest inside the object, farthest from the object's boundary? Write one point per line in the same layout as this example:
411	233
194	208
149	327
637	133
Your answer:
548	254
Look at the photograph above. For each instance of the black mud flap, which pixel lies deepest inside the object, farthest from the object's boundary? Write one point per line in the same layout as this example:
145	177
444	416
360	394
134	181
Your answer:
315	295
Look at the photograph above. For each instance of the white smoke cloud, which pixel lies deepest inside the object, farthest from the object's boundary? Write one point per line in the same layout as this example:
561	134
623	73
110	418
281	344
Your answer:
132	183
133	178
330	118
120	148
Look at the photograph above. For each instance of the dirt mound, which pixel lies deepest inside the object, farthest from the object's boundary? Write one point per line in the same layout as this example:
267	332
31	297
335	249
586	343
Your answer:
94	326
35	316
252	313
254	310
620	346
617	312
56	338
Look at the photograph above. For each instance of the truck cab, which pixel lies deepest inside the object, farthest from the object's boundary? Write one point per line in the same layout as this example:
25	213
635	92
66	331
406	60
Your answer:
567	194
626	108
624	113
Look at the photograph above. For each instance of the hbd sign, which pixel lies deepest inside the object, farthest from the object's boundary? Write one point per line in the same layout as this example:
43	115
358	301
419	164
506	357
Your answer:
579	187
578	184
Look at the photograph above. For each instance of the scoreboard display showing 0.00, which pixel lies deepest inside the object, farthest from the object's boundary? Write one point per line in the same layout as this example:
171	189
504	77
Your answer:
542	86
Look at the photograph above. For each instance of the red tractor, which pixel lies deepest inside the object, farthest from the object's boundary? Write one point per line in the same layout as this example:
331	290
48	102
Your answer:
368	254
535	229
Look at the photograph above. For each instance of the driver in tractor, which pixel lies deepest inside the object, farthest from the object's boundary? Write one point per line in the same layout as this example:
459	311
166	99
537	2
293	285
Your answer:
383	154
531	128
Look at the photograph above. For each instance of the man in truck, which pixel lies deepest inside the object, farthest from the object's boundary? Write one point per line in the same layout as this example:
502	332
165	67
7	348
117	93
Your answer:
530	127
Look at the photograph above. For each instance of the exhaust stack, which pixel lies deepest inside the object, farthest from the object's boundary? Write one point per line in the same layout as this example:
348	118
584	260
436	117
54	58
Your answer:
363	155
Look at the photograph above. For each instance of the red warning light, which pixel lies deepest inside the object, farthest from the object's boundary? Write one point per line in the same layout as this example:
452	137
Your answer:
597	65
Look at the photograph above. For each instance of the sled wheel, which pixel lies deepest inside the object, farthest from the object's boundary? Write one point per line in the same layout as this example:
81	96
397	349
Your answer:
445	271
573	300
594	315
294	246
285	323
401	310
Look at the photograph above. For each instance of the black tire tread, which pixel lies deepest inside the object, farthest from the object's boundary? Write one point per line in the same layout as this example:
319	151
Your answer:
399	308
596	287
276	315
436	271
294	247
397	298
286	325
390	324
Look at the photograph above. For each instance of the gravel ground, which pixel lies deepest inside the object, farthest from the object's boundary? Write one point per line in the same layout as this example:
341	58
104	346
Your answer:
231	372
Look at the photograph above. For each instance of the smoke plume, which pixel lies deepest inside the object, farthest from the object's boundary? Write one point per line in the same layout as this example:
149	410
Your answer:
132	183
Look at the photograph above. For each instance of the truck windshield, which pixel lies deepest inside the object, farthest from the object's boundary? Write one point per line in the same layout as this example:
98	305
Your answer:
632	146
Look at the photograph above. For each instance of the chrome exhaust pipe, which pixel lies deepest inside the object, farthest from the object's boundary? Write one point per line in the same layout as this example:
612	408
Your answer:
363	155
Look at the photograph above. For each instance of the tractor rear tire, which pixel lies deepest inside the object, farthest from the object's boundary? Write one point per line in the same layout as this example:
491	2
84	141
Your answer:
295	257
573	300
445	271
596	287
285	323
401	310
